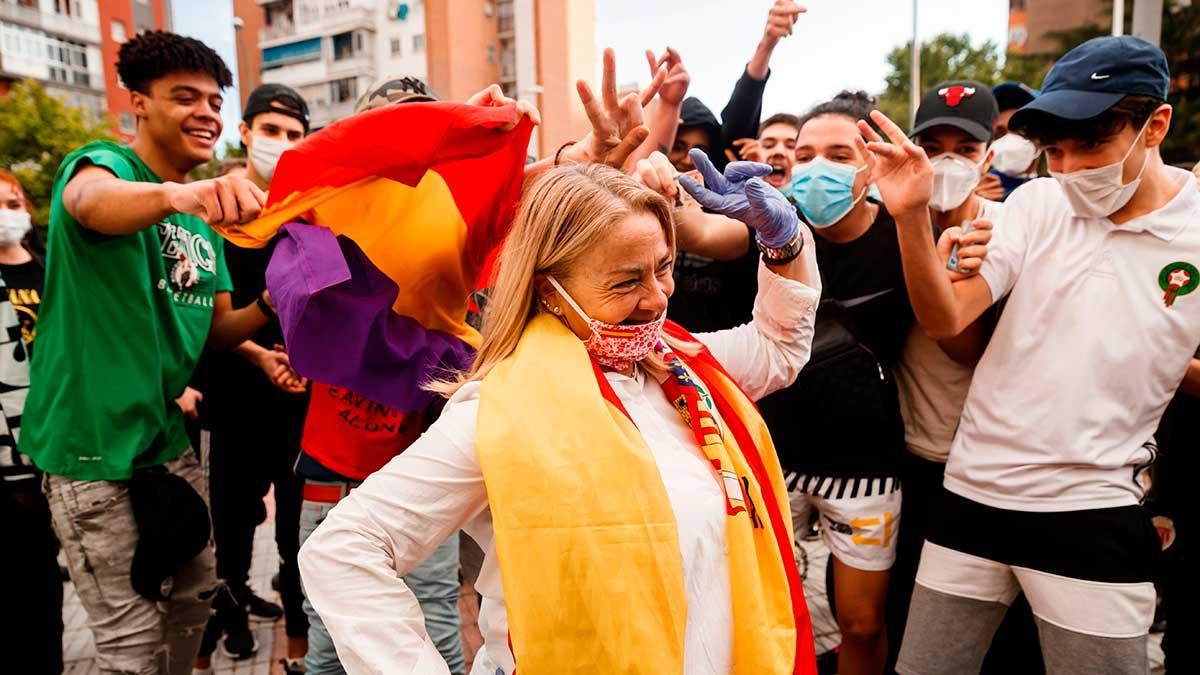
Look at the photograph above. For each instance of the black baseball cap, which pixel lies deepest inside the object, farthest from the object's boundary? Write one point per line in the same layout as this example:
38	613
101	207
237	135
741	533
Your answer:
276	98
1012	95
1094	76
963	104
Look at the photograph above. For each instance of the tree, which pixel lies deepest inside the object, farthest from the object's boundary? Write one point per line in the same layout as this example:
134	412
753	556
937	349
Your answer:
36	131
210	168
946	57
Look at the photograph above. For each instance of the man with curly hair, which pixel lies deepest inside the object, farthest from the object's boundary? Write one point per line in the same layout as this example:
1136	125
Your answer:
136	288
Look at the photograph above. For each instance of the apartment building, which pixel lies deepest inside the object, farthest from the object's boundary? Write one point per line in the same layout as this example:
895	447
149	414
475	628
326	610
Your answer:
56	42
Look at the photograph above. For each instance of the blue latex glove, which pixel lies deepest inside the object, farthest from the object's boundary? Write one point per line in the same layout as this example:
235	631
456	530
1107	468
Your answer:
743	195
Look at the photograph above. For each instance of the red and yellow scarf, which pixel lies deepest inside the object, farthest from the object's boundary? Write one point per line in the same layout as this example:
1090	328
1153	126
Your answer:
585	535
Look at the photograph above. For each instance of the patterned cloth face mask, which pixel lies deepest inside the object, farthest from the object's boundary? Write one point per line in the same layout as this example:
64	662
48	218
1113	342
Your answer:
614	345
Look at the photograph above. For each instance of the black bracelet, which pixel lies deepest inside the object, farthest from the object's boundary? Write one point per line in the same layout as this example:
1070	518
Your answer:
264	307
558	154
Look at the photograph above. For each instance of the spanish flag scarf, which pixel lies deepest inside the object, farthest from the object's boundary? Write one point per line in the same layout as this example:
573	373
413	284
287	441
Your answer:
585	535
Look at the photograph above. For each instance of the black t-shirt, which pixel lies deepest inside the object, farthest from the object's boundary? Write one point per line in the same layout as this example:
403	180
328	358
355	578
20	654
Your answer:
238	390
713	295
25	283
866	280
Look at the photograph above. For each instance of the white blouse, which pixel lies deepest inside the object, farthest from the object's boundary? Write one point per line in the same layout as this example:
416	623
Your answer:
352	565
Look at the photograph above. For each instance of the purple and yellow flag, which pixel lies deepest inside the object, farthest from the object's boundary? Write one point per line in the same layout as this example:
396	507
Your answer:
386	220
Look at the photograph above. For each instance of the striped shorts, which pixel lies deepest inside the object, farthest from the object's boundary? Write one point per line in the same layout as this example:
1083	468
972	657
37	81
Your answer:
860	517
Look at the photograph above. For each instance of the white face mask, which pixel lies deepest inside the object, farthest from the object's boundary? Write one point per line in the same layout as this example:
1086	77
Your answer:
1014	154
1099	192
14	225
264	155
954	177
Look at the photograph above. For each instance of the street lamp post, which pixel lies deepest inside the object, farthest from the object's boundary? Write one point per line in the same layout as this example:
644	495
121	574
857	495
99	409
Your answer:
914	78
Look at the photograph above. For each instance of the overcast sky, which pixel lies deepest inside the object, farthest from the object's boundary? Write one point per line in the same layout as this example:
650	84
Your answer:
838	44
212	23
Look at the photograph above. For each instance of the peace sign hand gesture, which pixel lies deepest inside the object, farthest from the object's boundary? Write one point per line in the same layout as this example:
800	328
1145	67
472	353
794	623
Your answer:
900	169
617	128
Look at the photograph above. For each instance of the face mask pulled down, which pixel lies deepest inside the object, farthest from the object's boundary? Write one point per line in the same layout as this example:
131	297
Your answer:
1099	192
14	225
614	345
264	155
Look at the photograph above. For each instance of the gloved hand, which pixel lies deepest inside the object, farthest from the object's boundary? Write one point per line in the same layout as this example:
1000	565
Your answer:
743	195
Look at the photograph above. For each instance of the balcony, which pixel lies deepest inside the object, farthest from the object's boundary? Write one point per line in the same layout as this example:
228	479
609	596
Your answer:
67	27
324	113
316	23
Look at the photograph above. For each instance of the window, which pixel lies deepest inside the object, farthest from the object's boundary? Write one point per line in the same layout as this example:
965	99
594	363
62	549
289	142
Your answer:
126	123
396	46
491	53
345	89
117	31
344	46
489	8
419	42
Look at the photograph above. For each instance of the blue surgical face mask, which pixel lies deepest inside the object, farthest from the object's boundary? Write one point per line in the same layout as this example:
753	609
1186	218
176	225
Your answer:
824	190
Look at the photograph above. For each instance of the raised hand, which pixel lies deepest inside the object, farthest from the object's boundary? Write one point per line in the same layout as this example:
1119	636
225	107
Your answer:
900	169
749	149
741	193
675	86
781	20
493	96
657	173
617	128
228	200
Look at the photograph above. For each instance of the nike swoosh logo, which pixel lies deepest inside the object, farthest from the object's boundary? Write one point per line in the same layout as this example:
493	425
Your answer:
1098	76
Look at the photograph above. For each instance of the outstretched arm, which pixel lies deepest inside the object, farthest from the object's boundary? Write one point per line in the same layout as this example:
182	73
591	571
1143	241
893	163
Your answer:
945	303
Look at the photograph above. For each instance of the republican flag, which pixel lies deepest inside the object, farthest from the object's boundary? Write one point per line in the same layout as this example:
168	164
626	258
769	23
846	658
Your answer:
386	219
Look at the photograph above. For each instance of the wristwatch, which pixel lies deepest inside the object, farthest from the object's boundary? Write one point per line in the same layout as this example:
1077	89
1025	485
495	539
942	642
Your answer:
784	255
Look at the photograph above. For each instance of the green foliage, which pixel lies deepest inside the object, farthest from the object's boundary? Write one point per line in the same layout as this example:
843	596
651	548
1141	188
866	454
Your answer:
945	57
36	131
209	169
949	56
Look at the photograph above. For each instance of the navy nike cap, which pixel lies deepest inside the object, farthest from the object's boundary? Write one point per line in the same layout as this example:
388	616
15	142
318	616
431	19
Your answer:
1094	76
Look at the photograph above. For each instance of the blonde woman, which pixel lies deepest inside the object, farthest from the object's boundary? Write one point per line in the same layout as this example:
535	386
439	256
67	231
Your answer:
621	484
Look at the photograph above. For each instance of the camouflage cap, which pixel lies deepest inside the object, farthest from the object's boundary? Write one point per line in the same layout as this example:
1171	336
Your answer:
389	90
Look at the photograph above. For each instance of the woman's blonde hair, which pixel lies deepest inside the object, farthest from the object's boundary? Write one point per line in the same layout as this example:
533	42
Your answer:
561	217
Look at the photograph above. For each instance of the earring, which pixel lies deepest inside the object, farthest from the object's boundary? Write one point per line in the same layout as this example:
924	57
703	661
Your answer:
557	310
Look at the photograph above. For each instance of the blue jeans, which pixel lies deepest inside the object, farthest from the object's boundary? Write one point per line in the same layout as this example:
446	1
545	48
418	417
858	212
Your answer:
434	582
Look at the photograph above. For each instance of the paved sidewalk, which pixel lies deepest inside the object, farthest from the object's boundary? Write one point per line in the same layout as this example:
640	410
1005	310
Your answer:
78	651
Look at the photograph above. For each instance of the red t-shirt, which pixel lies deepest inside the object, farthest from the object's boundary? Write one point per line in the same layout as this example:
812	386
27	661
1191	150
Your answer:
353	435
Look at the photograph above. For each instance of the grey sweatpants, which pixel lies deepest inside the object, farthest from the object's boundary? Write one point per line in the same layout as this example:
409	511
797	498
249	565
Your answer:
94	523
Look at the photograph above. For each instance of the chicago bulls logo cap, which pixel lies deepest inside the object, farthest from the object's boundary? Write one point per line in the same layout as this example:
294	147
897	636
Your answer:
963	104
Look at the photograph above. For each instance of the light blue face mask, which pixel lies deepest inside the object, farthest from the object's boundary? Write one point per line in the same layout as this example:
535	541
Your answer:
824	190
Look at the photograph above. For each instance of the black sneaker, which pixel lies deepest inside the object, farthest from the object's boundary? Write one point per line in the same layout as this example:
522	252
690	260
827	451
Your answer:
260	609
293	666
239	643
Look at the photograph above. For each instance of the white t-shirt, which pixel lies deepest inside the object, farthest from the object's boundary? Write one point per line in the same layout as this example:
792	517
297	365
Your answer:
933	386
1093	342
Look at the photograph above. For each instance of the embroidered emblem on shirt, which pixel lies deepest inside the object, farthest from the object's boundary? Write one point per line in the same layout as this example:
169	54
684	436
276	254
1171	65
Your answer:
1178	279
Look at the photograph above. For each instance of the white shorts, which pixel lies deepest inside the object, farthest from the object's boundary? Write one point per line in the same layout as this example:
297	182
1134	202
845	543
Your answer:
860	517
